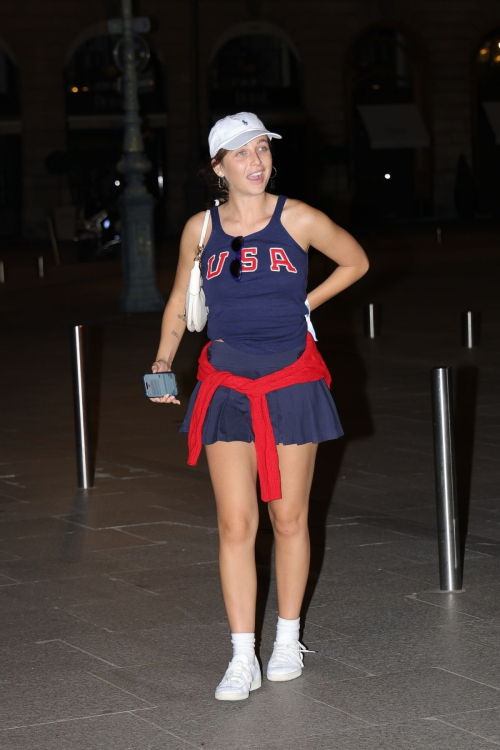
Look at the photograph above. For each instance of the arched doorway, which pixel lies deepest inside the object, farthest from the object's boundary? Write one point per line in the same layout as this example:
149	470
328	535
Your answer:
11	170
258	71
390	142
487	122
94	109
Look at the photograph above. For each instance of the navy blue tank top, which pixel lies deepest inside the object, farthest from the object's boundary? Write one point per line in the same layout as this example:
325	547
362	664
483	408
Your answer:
264	312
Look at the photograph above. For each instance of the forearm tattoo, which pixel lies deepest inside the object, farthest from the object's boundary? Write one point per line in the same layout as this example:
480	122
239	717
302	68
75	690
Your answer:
174	333
182	317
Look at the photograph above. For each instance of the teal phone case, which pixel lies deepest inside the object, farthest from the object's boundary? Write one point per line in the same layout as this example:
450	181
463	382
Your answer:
158	384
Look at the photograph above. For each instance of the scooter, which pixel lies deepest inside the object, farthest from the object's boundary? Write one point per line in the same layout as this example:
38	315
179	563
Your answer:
97	234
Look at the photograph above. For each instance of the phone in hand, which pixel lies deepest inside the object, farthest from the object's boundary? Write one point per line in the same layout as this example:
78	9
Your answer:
158	384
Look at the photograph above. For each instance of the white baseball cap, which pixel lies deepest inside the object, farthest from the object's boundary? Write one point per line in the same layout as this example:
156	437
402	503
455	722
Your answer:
234	131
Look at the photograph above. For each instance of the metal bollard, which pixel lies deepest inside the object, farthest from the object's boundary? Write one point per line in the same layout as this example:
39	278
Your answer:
450	567
53	241
2	272
470	329
371	321
83	454
40	267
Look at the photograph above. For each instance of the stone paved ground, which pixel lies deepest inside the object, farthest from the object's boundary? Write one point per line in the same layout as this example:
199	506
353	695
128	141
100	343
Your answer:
113	632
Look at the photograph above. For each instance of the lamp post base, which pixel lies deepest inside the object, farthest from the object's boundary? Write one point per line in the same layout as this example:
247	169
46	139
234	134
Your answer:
140	292
141	297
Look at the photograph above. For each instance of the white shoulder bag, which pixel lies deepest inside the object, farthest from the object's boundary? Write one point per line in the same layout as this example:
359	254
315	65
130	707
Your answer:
196	310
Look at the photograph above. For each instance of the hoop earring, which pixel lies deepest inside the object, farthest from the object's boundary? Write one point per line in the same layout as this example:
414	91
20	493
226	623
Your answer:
221	182
275	173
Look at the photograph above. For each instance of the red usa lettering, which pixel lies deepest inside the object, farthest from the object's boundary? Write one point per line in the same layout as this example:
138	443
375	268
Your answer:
211	273
249	259
280	258
249	262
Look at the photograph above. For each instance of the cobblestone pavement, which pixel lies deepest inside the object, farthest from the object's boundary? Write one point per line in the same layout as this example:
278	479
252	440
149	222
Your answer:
113	631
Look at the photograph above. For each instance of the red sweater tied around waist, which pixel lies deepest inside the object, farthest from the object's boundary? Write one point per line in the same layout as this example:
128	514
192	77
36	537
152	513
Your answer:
309	366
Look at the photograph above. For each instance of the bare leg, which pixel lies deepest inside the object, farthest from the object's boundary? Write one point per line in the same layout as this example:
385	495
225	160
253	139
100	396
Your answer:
289	516
233	471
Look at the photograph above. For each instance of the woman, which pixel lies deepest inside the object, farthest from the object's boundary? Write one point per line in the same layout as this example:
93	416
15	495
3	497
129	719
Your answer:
254	269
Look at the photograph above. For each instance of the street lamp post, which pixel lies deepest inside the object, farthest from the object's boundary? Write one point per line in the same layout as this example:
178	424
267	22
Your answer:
194	190
140	292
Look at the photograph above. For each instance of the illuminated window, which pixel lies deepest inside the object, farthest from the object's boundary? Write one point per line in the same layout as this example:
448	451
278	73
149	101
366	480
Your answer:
93	78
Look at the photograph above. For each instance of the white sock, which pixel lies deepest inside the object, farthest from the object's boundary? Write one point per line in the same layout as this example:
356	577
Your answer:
243	643
287	630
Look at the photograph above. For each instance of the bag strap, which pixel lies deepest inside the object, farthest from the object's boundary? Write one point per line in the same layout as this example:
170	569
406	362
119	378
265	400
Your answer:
201	244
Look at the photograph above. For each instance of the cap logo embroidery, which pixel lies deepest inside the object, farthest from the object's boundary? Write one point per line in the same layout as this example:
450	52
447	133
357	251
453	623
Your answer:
244	122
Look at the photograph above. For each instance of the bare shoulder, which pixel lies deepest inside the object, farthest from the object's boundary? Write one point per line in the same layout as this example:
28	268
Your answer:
303	212
194	224
316	229
192	230
188	250
302	221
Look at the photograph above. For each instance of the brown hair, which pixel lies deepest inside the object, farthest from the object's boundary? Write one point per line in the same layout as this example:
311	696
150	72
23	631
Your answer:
217	186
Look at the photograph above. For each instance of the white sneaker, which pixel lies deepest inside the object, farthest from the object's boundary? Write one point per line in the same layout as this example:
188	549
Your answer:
242	676
287	661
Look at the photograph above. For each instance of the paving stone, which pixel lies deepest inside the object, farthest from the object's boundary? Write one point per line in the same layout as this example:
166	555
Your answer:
158	645
480	601
45	698
40	547
356	611
44	658
400	696
279	712
109	731
399	651
30	623
64	563
426	734
483	723
138	609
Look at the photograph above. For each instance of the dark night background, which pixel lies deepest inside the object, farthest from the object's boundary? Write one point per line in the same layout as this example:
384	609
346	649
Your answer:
309	70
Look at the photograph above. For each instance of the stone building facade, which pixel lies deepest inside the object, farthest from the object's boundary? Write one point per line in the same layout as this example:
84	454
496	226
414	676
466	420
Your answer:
324	38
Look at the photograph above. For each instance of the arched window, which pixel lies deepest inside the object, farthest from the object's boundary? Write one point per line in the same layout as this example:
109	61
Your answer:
10	147
258	71
487	130
93	79
391	165
488	67
255	71
10	104
381	68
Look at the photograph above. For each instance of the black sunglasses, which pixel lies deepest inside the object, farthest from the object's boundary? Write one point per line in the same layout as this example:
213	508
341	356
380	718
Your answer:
235	265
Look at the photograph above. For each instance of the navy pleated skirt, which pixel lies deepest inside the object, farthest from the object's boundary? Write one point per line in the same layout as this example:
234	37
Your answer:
301	413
